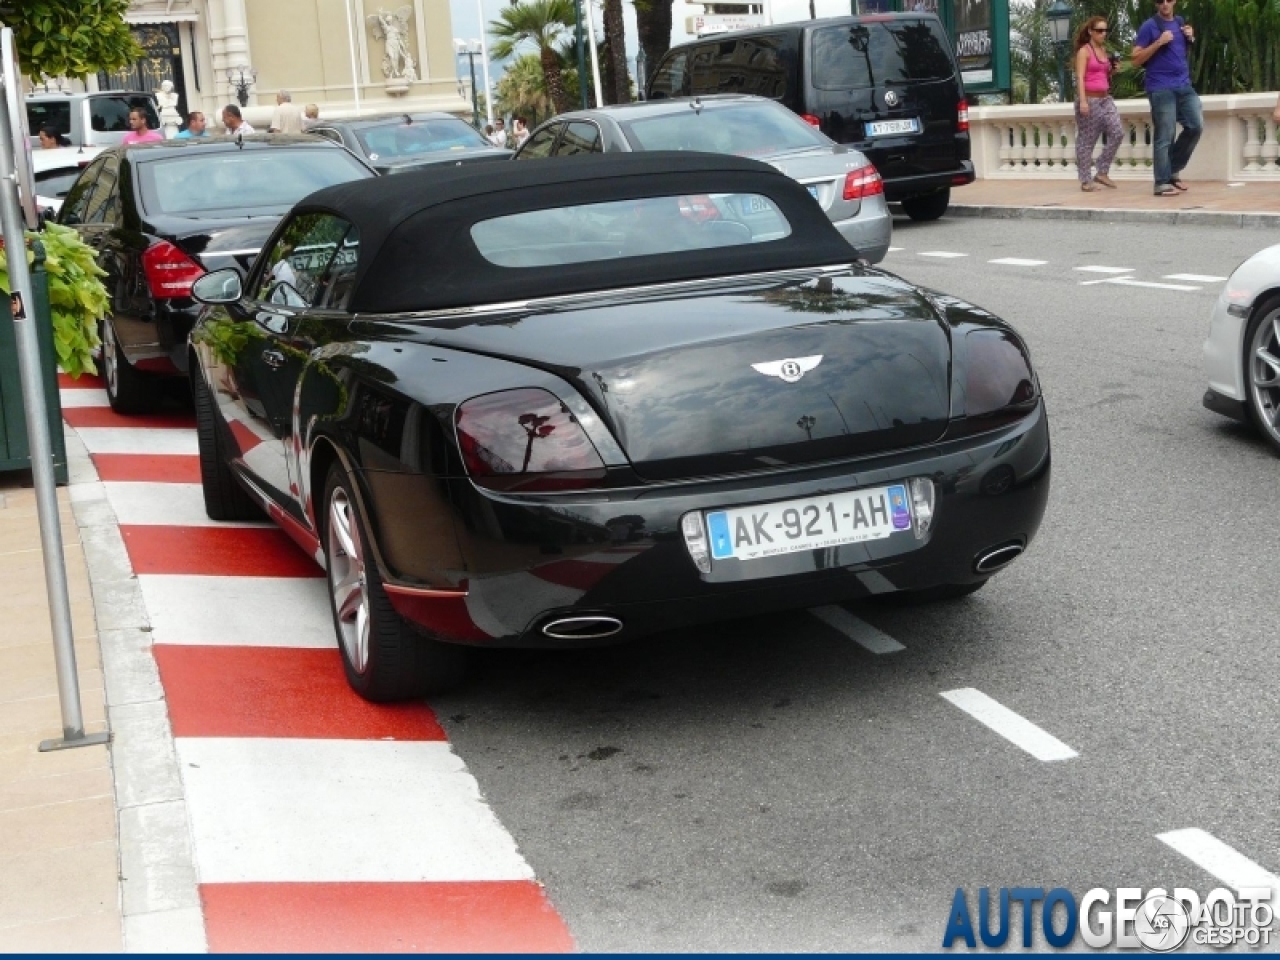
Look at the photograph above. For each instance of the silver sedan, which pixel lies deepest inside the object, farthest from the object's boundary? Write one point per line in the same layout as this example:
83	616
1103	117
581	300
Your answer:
842	180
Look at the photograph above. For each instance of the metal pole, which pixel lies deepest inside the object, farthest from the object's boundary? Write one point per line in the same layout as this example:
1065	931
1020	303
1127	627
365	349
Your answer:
29	364
1061	49
475	103
582	55
351	46
484	63
595	56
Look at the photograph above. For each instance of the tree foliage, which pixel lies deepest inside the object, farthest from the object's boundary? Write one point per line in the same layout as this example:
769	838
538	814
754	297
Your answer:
522	91
541	23
71	38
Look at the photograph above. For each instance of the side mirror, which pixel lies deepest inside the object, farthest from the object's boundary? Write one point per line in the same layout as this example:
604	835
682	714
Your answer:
221	286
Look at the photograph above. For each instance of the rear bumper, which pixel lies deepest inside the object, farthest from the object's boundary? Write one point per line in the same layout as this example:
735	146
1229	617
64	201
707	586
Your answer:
1226	406
871	231
900	188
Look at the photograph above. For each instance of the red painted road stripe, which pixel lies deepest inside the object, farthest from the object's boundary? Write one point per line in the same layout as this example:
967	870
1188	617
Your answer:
106	417
479	917
299	694
246	439
216	552
147	468
87	381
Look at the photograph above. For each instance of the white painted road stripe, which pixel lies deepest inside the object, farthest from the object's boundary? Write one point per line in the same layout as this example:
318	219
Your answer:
167	504
1019	262
859	631
1106	269
83	397
340	810
238	611
941	253
1016	729
896	249
1128	282
1194	277
137	440
1226	863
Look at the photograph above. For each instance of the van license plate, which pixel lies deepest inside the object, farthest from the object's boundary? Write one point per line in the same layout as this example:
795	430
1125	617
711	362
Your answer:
882	128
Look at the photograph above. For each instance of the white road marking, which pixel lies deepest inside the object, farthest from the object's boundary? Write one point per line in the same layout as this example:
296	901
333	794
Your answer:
859	631
1019	262
1015	728
83	397
941	253
1195	278
166	504
1226	863
1105	269
340	810
1129	282
896	249
137	440
238	611
875	581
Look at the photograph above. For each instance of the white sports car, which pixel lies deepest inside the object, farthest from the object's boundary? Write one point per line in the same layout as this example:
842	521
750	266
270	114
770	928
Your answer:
1242	354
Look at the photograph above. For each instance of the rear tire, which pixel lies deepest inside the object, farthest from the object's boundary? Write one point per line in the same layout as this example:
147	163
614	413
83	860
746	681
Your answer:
128	391
385	658
1262	377
224	498
939	594
927	206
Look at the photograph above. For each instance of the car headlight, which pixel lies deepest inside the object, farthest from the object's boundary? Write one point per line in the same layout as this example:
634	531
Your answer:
1000	386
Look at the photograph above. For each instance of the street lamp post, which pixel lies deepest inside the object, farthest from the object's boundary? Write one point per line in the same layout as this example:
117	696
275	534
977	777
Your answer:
241	79
642	74
1059	17
471	49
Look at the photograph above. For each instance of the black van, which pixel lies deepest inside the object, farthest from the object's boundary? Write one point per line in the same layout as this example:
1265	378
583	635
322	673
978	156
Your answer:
886	84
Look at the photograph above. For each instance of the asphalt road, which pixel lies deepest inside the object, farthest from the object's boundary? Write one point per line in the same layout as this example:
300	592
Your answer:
772	785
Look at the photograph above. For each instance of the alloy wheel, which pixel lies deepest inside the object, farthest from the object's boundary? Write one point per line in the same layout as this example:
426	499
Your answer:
1264	373
110	359
347	580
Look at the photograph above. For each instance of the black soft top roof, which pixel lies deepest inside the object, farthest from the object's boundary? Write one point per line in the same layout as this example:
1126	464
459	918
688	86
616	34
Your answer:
416	251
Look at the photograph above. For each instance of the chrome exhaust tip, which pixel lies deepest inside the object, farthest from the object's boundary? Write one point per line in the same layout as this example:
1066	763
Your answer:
588	627
997	558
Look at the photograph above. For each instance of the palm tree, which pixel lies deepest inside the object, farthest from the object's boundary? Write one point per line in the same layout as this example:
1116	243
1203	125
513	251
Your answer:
542	23
618	83
653	25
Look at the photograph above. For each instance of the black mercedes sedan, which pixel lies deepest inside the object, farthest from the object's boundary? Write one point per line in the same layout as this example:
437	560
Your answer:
398	142
559	404
161	214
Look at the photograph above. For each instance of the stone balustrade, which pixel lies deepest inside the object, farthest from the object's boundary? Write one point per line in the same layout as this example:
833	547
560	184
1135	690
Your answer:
1038	141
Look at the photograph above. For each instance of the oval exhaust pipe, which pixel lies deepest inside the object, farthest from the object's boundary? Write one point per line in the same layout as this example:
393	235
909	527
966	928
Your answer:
997	558
588	627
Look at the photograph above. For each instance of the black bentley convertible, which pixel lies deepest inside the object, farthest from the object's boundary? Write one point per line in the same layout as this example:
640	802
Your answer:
563	404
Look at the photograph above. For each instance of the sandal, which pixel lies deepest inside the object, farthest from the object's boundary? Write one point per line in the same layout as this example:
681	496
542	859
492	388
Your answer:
1166	190
1178	185
1089	187
1106	181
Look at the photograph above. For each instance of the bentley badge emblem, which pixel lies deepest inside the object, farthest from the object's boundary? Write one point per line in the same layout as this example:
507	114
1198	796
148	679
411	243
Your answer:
890	98
789	370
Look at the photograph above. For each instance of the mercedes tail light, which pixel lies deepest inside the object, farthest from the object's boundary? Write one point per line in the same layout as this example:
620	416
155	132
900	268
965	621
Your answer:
962	116
699	208
810	119
169	272
862	182
524	441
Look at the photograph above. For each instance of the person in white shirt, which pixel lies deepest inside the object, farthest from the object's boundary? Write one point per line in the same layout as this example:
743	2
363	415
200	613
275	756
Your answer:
499	138
288	117
233	121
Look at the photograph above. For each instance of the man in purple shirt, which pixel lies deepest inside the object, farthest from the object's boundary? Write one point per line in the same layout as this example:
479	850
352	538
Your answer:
1161	45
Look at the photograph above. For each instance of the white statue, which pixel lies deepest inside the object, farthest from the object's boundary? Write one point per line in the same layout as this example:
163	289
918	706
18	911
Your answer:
167	101
393	30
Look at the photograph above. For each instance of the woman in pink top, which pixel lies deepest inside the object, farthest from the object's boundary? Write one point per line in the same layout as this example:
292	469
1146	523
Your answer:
1095	110
138	132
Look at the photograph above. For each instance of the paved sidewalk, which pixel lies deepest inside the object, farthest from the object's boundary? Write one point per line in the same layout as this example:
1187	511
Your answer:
1205	202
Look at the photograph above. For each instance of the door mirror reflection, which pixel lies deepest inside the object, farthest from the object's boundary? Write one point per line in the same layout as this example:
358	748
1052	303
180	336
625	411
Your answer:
221	286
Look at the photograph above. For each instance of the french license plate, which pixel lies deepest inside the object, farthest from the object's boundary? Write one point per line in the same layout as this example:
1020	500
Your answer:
770	529
880	128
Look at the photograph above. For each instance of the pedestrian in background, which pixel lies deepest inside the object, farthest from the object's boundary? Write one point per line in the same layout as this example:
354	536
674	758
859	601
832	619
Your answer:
520	131
195	126
138	132
288	117
1096	112
499	137
233	121
310	117
51	138
1161	45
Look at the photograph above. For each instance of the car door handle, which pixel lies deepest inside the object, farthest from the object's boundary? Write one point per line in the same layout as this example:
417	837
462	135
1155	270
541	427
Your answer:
273	359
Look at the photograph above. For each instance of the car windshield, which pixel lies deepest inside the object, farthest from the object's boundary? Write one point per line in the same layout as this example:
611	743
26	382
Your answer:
628	228
873	54
241	182
749	130
400	139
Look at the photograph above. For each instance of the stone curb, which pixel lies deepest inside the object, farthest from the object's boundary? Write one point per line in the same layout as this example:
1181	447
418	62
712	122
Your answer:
160	902
1200	218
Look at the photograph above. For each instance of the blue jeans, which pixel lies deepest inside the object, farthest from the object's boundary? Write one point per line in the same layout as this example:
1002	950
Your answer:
1169	108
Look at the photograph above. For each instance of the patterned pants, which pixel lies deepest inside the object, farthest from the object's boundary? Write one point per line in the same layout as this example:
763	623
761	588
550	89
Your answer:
1103	118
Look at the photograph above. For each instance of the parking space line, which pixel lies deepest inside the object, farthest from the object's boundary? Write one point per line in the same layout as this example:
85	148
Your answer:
1015	728
1019	262
1194	277
941	253
1104	269
1222	861
1130	282
859	631
896	249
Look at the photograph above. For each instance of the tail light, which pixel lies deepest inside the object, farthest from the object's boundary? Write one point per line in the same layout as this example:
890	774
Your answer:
169	272
699	208
863	182
962	116
1000	387
810	119
525	440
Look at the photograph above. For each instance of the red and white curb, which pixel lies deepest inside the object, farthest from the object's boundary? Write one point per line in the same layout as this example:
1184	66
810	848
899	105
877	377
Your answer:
263	806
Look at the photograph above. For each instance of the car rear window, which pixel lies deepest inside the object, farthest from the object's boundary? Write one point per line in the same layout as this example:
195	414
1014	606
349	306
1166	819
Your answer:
56	114
242	181
873	54
628	228
425	136
750	129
